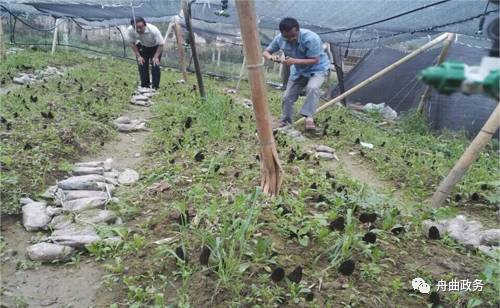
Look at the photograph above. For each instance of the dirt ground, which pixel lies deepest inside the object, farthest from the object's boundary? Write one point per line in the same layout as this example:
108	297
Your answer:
69	285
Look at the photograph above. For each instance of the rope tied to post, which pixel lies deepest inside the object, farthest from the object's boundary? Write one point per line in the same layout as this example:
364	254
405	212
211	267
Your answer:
255	66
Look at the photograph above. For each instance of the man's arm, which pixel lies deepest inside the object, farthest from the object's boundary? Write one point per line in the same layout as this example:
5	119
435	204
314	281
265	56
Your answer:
156	57
140	59
272	48
308	61
267	55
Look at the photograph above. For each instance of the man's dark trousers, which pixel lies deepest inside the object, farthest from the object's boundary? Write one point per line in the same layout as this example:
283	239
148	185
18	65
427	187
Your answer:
148	53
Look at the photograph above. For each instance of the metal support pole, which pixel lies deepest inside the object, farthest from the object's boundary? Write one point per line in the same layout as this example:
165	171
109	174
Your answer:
186	7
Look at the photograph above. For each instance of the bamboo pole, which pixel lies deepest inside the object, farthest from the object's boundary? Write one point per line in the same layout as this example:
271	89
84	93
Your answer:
169	30
270	164
442	56
65	34
339	71
54	39
180	46
381	73
218	56
467	158
187	17
242	71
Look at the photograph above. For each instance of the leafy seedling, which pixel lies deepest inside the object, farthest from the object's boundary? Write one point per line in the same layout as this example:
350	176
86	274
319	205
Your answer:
296	275
205	255
278	274
370	237
347	267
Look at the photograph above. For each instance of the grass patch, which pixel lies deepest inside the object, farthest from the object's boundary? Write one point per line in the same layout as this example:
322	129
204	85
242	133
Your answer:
47	126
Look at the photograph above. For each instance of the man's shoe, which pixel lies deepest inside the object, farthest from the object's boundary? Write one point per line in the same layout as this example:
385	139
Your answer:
310	124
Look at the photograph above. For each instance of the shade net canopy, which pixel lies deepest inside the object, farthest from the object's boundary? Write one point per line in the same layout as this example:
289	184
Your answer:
380	31
358	24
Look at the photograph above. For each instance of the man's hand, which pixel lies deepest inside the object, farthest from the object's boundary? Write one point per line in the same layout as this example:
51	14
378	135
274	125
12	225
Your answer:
156	61
276	58
140	60
289	61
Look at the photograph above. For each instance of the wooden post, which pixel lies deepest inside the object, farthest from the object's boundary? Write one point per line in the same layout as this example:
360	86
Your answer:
442	56
381	73
187	17
242	71
65	34
54	39
270	164
169	30
180	47
2	43
467	158
330	58
218	56
337	62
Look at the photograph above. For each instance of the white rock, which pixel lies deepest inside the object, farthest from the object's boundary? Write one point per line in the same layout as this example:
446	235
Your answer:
25	201
61	222
122	120
490	237
112	174
366	145
128	176
75	235
50	192
83	182
83	204
324	148
96	216
140	97
35	216
87	170
115	240
78	194
325	155
48	252
54	211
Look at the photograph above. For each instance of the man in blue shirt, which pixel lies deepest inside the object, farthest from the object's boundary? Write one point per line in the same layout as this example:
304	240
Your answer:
303	51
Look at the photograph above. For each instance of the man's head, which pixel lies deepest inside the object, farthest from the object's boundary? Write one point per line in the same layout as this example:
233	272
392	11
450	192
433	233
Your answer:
139	24
289	28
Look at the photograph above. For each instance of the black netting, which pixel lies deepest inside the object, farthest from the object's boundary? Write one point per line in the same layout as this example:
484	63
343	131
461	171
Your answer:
402	90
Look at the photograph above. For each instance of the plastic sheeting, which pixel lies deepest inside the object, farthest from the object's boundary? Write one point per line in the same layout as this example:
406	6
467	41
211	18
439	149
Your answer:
401	89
